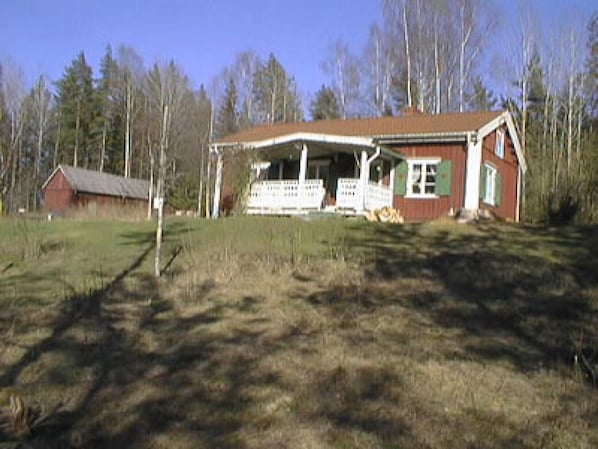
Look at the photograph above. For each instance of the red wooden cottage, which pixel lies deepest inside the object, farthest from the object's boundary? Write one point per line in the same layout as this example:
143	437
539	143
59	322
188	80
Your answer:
70	187
428	166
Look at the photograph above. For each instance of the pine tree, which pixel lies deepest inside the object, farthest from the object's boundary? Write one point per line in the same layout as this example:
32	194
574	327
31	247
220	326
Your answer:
228	114
325	105
75	98
481	98
107	109
275	94
592	65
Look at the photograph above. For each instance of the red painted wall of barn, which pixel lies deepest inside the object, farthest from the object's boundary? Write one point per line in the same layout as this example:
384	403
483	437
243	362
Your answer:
59	197
508	168
58	193
431	208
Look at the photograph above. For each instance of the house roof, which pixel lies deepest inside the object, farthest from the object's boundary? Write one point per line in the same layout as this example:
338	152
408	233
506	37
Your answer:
416	124
90	181
378	132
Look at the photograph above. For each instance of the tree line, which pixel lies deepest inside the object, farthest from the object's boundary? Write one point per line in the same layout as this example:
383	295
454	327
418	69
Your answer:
424	54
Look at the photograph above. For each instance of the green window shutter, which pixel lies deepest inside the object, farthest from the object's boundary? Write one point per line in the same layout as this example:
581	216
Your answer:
401	178
497	189
483	174
443	178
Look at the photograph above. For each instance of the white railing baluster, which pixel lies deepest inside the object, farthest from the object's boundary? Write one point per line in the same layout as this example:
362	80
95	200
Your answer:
285	195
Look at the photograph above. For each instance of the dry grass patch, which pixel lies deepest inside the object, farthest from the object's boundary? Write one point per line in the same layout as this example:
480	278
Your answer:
280	333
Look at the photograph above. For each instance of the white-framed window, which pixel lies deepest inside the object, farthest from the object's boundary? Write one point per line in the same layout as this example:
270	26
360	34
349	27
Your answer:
421	178
377	172
489	196
499	145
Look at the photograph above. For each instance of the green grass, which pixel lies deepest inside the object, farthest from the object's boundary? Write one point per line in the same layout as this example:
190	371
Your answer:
274	332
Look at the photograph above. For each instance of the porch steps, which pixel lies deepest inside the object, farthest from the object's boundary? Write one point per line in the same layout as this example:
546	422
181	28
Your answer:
321	215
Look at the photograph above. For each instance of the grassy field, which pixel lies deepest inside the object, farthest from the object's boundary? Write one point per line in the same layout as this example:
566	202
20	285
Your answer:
279	333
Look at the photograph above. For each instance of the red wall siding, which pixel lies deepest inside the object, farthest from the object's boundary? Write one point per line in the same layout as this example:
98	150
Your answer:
58	193
59	196
428	209
83	199
508	168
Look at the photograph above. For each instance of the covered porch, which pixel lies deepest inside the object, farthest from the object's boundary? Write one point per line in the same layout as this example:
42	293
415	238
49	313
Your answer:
308	173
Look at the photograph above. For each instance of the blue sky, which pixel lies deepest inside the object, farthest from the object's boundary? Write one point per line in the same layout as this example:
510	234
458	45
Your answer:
203	36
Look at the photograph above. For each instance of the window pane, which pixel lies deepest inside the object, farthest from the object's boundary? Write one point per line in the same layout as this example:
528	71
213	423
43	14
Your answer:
430	186
490	181
430	173
416	176
499	147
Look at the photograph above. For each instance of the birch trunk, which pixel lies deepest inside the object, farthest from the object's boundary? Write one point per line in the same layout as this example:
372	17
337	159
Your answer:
160	191
407	56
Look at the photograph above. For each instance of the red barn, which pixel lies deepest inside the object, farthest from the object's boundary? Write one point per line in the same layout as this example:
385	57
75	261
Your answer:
70	187
428	166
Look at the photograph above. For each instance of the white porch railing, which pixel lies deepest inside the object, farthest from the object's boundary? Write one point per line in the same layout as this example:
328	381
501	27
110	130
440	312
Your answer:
280	195
377	196
348	193
349	196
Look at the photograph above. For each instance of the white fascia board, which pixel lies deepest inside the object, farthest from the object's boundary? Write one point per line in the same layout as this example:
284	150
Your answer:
52	175
516	142
505	117
301	137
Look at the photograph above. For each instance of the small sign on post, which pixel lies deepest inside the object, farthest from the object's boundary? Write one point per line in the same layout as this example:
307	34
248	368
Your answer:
158	202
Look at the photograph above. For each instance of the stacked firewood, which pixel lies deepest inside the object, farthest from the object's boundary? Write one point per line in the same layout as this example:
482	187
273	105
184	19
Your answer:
385	215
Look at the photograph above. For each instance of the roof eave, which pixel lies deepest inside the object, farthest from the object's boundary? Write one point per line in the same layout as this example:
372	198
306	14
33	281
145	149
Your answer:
296	137
460	136
50	177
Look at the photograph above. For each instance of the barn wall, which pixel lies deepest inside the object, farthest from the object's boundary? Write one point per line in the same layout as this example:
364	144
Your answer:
59	196
83	199
508	168
431	208
58	193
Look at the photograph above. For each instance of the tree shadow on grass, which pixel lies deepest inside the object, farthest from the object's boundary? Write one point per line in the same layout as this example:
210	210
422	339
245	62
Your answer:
125	341
140	374
517	293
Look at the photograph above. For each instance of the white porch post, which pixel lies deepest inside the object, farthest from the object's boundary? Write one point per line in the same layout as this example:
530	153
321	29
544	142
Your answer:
302	174
364	174
472	180
217	187
303	164
391	183
518	201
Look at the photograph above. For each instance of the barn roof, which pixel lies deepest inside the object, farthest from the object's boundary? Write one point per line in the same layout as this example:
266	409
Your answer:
90	181
414	124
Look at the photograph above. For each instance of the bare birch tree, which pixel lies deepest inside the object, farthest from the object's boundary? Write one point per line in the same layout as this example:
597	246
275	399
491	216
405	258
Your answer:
40	104
166	89
130	69
343	69
13	89
378	67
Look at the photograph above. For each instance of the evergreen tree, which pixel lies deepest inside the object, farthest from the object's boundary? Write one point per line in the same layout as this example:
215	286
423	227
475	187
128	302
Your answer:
228	114
275	94
75	98
325	105
481	98
105	95
592	65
